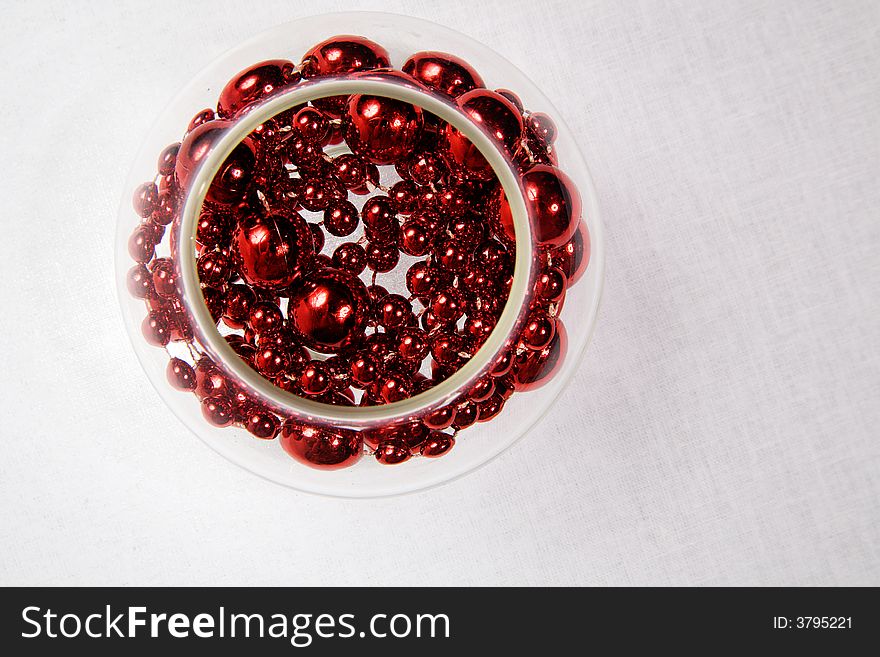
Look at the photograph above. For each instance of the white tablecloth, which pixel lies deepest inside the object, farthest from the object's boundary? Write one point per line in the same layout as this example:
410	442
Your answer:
723	429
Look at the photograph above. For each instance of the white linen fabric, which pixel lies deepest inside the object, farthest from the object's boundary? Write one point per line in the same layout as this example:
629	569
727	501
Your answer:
723	428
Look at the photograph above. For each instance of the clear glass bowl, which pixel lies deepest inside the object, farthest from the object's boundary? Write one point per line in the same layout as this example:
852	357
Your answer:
476	445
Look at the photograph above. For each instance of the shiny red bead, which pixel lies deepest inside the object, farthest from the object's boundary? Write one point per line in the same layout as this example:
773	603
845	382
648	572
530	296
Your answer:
404	196
218	410
533	369
551	286
145	198
142	244
437	445
538	331
237	302
465	415
271	361
265	316
382	129
344	54
262	424
272	251
164	278
364	370
234	176
554	204
181	375
573	257
327	449
139	282
448	304
441	418
448	74
214	269
392	452
312	124
253	84
341	217
393	311
315	379
413	344
490	408
382	257
156	328
328	309
481	390
350	257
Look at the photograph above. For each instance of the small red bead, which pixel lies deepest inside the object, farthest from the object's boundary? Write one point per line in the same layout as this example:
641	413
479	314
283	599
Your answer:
441	418
489	408
392	452
315	379
350	257
437	445
181	375
142	244
145	199
139	282
156	328
262	424
341	217
218	410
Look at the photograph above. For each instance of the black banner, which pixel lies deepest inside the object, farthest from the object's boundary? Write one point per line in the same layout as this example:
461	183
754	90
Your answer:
434	621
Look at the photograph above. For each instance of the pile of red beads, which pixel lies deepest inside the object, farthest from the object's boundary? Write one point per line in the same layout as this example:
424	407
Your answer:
388	187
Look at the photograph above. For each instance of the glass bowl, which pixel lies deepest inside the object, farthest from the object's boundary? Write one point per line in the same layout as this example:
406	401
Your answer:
474	446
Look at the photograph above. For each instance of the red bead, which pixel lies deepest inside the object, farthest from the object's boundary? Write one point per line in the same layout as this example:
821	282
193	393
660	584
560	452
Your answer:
490	408
465	415
139	282
538	331
232	179
413	344
452	255
145	198
364	370
181	375
515	100
202	117
404	196
312	124
341	217
479	325
446	348
440	418
214	269
156	328
343	54
425	168
265	316
237	303
382	257
350	257
272	251
328	309
210	381
164	278
316	195
167	159
314	378
392	452
166	208
271	361
481	390
218	410
394	388
393	312
542	127
448	74
554	204
551	285
253	84
262	424
350	170
533	369
573	257
142	244
327	449
416	237
437	445
498	118
214	229
448	304
382	129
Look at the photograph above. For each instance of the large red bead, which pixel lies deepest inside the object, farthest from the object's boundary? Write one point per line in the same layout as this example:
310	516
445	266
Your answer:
328	309
448	74
343	54
392	452
325	449
498	118
554	204
234	175
574	256
437	444
272	251
382	129
533	369
253	84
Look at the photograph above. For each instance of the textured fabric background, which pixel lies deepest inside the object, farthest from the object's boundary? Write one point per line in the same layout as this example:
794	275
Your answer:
723	429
